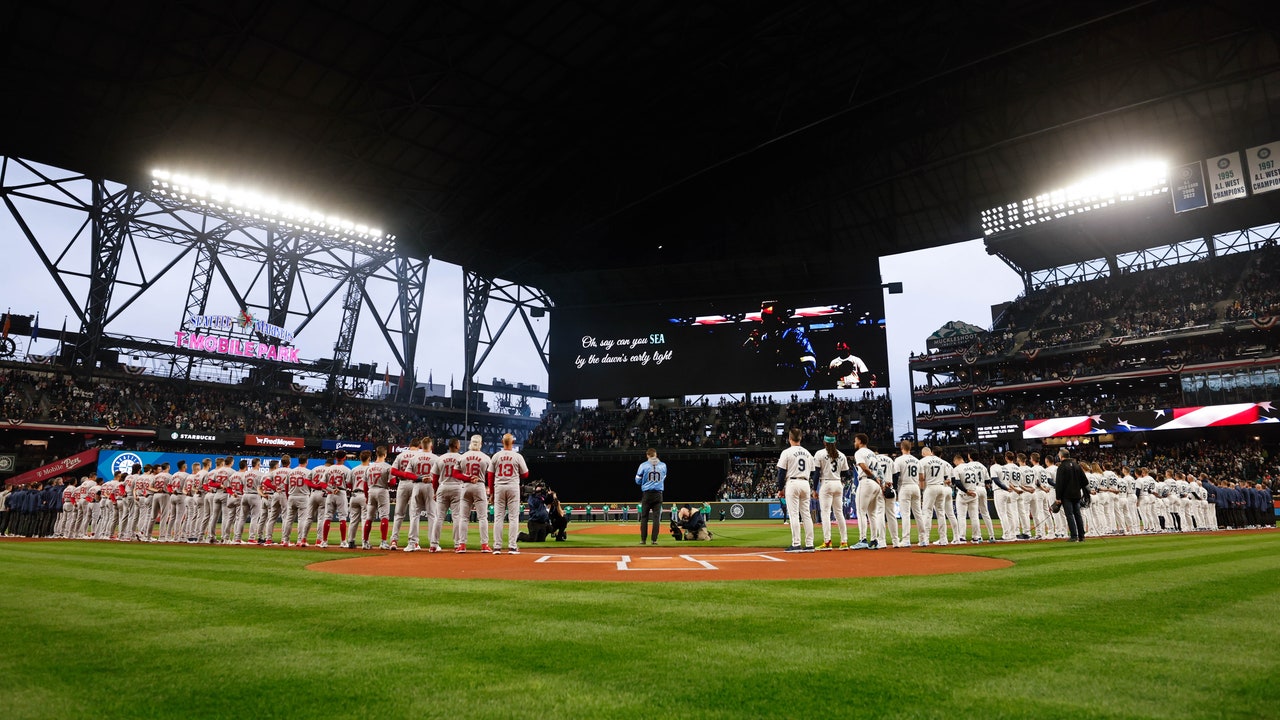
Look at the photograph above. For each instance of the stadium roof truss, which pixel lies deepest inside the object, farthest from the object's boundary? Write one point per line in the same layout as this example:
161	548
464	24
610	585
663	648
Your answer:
296	271
560	143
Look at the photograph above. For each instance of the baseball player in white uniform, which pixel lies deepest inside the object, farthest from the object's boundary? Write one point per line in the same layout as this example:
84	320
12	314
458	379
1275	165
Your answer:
506	470
967	500
795	468
402	469
475	465
935	475
868	494
906	473
833	472
887	526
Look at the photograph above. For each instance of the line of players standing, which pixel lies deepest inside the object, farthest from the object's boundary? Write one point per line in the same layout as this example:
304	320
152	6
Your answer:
190	505
1022	488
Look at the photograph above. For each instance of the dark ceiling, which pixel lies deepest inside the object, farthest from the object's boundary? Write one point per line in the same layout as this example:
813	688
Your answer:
608	150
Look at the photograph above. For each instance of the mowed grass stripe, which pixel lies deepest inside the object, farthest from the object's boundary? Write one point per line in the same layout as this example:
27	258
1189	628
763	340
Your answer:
237	631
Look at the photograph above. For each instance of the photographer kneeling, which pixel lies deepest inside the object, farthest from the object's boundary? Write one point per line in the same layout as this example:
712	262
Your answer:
539	517
689	524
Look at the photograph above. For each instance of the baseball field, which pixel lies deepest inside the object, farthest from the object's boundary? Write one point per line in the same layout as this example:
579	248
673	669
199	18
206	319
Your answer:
1171	626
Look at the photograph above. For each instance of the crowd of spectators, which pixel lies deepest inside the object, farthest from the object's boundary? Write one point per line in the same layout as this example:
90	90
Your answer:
1135	304
149	402
729	424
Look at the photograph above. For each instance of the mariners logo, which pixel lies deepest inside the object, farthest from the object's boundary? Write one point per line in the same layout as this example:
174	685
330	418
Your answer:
1264	153
1223	163
737	511
124	462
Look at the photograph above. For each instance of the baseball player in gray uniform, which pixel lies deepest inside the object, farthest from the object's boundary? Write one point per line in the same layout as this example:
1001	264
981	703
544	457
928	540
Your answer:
379	503
402	467
475	465
423	498
448	470
506	471
336	502
274	486
296	500
359	500
318	484
251	502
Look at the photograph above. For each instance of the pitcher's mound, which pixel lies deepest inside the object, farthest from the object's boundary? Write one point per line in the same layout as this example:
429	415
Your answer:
648	563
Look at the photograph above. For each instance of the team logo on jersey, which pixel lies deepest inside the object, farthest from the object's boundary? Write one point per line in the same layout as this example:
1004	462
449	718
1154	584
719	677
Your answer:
124	462
737	511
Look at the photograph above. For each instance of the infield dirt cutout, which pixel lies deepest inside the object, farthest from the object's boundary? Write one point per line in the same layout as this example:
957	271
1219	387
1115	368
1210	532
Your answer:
663	563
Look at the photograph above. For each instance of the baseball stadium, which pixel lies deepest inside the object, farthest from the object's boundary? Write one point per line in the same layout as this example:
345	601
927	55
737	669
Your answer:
605	360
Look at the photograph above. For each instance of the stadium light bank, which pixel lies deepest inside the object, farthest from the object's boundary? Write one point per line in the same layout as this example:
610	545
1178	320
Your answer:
1119	184
254	205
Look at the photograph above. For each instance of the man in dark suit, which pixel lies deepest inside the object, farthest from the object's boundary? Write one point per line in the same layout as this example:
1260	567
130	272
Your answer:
1071	485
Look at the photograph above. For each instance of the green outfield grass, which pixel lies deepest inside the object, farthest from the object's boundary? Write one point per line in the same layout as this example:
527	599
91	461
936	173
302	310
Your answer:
1166	626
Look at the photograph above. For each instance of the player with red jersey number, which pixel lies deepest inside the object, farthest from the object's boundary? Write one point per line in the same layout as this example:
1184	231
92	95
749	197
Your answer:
507	469
335	503
404	481
451	481
359	499
231	514
215	486
424	494
475	496
318	483
274	483
296	501
250	503
379	504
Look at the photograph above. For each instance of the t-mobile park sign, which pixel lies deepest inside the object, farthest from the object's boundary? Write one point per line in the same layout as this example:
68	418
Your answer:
234	346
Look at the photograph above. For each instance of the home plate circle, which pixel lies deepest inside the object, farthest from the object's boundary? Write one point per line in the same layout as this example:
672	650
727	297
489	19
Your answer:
654	564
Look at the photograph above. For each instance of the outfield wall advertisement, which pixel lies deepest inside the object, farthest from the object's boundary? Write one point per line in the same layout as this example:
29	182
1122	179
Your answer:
112	461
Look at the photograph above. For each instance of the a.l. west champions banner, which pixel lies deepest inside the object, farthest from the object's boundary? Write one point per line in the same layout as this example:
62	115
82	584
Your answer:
1148	420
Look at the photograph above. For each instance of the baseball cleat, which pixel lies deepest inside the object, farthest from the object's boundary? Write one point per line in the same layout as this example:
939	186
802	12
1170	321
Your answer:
366	546
322	545
808	548
460	548
941	543
385	546
844	546
861	545
825	546
794	549
874	545
434	549
484	548
393	545
497	551
514	551
412	547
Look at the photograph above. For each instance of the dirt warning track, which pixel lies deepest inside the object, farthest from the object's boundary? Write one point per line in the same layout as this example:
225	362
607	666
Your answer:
657	564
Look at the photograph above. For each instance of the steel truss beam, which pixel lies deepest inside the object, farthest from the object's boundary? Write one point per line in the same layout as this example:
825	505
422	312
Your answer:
114	218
